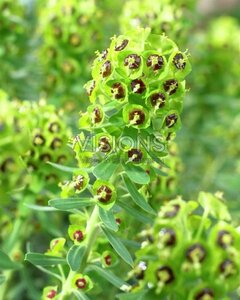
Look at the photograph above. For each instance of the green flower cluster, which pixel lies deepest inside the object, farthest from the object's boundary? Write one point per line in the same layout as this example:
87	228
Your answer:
137	92
70	31
174	18
31	134
191	254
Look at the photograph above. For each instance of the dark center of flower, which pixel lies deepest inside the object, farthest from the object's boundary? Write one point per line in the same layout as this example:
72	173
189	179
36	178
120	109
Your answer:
7	165
118	221
224	239
57	31
171	120
138	86
96	115
157	100
136	117
141	268
104	54
78	235
78	182
132	61
172	212
81	283
205	294
167	237
228	268
45	157
51	294
61	159
135	155
68	67
74	39
54	127
165	274
39	140
106	69
104	194
56	143
104	144
108	260
91	88
121	46
179	61
196	253
155	62
117	90
170	86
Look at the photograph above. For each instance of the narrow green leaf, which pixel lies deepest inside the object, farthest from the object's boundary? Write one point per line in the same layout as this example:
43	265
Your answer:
71	203
137	197
63	168
155	157
40	259
136	174
118	246
131	244
80	295
110	277
136	213
159	172
75	256
107	217
39	207
6	263
2	279
106	168
132	296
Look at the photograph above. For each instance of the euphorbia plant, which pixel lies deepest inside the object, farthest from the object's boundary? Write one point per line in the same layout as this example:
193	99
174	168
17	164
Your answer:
136	92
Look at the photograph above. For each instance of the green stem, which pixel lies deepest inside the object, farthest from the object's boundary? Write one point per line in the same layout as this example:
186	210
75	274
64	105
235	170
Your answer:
91	235
201	227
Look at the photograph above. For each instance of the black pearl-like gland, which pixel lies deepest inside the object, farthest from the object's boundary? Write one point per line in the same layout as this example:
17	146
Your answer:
204	293
121	46
138	116
170	86
132	61
138	86
179	61
171	120
155	62
196	253
104	193
165	274
135	154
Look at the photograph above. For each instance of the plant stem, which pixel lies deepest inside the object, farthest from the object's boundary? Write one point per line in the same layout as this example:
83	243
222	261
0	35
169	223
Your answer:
201	227
91	235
